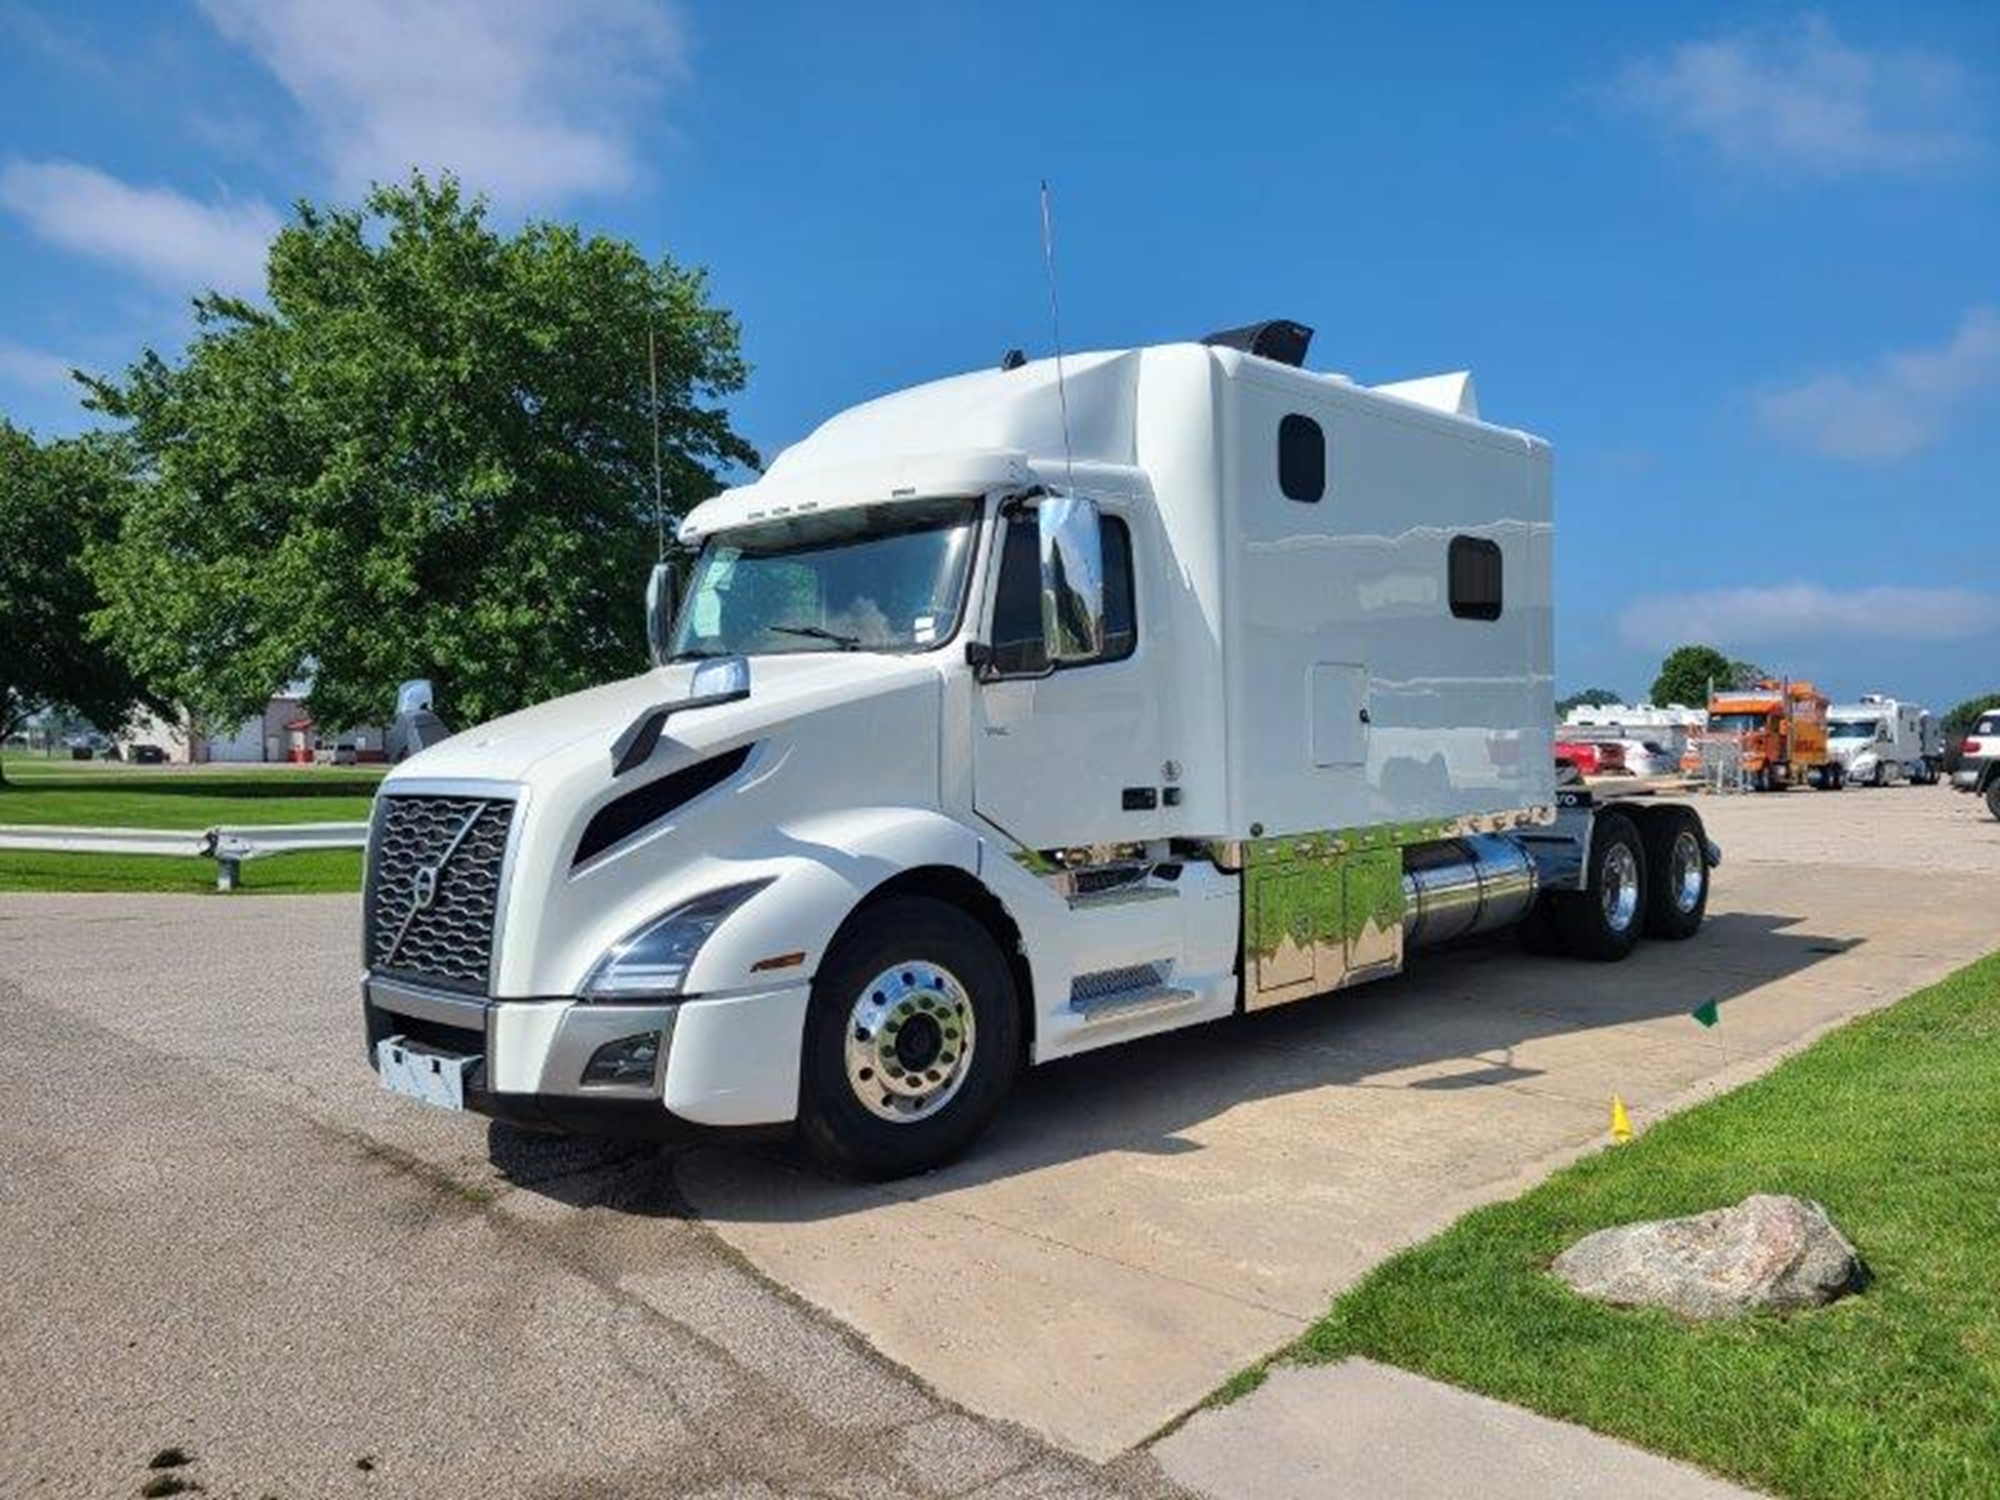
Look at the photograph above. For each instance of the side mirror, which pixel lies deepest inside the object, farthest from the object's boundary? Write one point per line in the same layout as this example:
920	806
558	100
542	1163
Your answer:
662	604
414	696
1072	553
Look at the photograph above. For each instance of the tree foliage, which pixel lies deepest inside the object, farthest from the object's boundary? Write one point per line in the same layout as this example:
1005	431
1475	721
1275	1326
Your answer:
57	501
1595	697
429	455
1960	719
1688	672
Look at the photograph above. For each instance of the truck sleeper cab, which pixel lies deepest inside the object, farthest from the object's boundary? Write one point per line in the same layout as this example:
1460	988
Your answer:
981	740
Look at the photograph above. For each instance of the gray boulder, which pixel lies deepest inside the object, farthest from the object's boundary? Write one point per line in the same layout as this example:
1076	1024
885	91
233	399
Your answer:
1768	1254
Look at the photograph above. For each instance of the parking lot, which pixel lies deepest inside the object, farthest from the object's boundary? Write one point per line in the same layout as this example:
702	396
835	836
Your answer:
222	1237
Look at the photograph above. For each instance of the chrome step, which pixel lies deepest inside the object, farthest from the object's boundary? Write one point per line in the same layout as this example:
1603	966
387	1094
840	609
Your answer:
1122	895
1120	1005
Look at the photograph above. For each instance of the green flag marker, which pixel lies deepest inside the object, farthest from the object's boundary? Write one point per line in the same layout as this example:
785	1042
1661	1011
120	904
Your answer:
1706	1013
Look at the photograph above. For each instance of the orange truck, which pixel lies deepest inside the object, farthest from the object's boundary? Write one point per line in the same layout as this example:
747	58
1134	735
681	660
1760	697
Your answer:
1780	729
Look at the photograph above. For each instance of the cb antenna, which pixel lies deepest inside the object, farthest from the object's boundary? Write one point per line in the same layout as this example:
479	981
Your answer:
1055	325
659	500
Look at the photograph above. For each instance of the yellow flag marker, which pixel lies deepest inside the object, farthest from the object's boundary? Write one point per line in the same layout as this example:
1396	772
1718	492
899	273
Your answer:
1621	1123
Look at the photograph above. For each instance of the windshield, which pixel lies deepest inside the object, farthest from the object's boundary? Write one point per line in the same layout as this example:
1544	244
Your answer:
1852	729
865	578
1736	723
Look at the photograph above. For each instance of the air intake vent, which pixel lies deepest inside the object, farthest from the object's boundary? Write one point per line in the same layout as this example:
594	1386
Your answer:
644	806
1279	339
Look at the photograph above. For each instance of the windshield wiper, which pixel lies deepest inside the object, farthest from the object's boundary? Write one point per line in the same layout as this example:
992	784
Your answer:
819	633
694	653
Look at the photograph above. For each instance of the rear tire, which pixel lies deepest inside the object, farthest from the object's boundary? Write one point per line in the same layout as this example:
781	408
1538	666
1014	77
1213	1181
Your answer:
1602	921
912	1040
1677	873
1993	796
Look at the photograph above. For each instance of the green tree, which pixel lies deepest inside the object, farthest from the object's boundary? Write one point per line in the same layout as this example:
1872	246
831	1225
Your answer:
1746	674
1959	720
430	455
1588	698
1688	671
57	501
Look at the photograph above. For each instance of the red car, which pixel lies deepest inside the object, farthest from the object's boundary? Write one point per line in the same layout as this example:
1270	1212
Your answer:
1592	758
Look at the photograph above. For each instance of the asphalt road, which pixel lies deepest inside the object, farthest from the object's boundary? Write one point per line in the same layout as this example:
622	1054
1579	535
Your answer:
219	1237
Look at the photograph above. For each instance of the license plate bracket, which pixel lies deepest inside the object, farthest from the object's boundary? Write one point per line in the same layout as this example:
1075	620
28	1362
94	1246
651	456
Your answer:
435	1078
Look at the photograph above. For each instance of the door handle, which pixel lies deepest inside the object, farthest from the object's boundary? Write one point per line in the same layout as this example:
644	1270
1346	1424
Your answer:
1364	717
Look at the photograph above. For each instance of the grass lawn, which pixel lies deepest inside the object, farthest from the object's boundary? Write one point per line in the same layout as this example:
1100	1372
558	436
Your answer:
310	872
95	795
92	795
1892	1122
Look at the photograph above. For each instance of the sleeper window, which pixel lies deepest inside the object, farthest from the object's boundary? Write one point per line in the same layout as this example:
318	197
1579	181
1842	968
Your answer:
1018	647
1473	565
1301	458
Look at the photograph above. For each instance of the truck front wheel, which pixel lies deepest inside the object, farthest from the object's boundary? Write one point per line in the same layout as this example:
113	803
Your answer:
912	1039
1602	921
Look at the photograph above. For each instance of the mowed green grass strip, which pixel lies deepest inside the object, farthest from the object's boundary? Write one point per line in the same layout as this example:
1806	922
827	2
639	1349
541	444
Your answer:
90	796
1892	1122
308	873
46	793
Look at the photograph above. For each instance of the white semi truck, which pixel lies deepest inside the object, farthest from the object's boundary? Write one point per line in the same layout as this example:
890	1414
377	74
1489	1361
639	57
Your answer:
1006	718
1879	741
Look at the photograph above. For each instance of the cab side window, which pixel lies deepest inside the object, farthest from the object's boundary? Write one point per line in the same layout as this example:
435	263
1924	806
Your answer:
1018	647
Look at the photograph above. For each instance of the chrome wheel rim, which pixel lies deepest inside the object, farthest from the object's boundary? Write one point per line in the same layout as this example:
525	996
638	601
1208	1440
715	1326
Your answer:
909	1042
1687	870
1621	887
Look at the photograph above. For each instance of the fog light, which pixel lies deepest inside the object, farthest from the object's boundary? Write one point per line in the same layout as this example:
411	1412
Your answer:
628	1060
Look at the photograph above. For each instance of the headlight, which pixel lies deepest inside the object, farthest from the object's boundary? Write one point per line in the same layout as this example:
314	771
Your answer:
652	962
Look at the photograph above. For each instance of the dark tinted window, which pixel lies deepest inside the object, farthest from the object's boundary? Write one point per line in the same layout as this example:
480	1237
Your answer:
1018	647
1474	566
1301	458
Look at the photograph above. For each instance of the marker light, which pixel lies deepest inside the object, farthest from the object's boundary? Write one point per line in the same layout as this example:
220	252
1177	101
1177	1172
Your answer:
652	963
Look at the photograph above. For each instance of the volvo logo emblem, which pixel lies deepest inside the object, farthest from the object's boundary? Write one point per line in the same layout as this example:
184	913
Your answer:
424	888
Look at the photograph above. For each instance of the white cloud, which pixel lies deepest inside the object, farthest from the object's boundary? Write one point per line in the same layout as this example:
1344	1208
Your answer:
168	237
32	368
1809	612
1800	97
1899	407
530	101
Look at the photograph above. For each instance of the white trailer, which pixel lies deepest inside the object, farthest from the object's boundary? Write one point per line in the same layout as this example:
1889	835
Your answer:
1006	718
1880	741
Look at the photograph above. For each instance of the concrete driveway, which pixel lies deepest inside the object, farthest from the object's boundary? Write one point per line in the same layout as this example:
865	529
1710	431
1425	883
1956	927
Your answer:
1148	1220
219	1235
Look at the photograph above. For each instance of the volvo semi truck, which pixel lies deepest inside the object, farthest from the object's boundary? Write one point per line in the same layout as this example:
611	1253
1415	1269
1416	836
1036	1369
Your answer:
1878	741
1004	719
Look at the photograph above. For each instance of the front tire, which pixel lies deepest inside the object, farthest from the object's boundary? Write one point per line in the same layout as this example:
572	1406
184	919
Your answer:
912	1040
1603	920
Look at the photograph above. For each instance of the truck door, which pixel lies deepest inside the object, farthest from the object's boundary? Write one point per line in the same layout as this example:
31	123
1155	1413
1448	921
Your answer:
1070	756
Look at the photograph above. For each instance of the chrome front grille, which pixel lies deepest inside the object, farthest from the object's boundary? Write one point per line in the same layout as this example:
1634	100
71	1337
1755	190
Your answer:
435	865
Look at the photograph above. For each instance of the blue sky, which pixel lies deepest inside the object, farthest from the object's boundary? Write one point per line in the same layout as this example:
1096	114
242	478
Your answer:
1740	264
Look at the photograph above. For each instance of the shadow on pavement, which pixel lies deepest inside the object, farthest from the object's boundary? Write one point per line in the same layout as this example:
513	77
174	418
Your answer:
1476	1004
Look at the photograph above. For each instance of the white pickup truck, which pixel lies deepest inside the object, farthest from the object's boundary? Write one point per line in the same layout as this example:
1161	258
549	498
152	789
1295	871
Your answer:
1005	718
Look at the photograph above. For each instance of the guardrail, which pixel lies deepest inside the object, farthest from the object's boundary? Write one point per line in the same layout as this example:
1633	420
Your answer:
228	847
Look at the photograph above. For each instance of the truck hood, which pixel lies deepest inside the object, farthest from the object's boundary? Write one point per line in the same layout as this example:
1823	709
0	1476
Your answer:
513	747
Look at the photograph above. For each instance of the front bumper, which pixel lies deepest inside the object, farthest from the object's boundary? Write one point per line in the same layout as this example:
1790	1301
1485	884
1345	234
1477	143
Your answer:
727	1062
